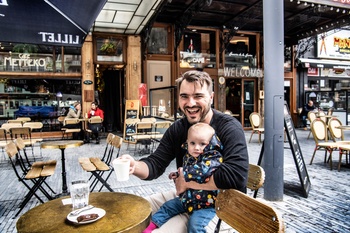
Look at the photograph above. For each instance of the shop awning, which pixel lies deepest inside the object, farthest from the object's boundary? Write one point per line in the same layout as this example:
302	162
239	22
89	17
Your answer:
323	63
51	22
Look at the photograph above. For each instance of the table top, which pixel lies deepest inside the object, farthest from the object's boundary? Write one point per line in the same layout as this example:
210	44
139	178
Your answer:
124	213
61	144
345	127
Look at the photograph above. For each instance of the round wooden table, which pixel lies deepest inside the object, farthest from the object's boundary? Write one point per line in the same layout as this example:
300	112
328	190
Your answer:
62	145
124	213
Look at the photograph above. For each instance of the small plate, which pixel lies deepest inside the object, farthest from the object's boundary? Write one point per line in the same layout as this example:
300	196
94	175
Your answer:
99	211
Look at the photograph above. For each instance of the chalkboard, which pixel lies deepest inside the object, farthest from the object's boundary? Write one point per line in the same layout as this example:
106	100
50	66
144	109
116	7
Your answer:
132	112
297	153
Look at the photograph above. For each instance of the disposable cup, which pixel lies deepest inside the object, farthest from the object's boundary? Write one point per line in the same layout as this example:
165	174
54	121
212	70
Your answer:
79	192
121	168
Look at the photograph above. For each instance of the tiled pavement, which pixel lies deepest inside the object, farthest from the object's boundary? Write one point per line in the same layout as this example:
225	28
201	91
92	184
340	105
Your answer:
327	208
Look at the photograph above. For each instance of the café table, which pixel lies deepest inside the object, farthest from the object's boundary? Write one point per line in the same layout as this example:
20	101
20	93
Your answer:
124	213
62	145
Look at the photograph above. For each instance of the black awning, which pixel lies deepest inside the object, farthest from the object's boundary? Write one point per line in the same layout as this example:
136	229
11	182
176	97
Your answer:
51	22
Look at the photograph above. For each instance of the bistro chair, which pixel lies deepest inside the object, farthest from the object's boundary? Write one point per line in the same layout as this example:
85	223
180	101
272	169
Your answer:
24	119
337	135
93	120
255	122
37	174
311	116
320	133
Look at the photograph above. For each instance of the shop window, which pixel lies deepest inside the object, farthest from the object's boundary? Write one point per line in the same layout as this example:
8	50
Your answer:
158	41
109	49
40	99
241	52
198	49
35	58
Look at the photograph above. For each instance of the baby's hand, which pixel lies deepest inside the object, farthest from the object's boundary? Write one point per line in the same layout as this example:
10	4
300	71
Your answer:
173	175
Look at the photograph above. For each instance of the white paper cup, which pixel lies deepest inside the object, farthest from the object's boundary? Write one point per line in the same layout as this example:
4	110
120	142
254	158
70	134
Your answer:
121	168
79	192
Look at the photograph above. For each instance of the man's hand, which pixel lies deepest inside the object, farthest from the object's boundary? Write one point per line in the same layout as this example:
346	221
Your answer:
180	182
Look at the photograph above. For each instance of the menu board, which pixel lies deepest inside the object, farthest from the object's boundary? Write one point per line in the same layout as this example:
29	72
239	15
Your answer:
132	111
296	151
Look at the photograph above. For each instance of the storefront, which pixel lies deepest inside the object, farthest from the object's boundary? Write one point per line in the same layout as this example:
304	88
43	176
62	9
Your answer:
326	81
38	81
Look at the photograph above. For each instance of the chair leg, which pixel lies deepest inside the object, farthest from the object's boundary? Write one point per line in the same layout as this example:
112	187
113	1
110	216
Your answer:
217	228
309	135
340	157
251	136
104	183
313	155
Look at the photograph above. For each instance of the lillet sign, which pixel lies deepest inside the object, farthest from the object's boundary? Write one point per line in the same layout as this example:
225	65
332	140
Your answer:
51	22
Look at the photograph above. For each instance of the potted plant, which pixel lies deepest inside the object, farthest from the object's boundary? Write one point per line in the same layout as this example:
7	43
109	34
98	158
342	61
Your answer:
108	47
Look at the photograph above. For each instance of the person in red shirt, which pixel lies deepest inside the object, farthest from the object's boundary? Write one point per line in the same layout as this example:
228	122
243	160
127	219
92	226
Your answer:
95	111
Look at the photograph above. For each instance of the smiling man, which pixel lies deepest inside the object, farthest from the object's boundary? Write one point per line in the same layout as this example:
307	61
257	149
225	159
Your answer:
195	98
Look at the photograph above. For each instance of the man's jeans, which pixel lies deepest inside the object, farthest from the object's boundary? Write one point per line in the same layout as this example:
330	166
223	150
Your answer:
304	119
198	220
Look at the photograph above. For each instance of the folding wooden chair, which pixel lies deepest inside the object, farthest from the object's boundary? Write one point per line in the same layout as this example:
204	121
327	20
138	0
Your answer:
37	174
26	134
247	214
159	129
256	179
93	120
25	163
71	126
98	166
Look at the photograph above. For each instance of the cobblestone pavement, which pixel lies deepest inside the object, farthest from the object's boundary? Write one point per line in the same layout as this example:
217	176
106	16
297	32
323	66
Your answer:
327	208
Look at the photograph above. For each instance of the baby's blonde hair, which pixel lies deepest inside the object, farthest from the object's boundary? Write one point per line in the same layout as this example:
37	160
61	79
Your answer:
203	128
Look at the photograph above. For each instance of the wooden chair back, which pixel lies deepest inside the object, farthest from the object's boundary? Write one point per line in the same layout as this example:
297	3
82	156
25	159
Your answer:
255	120
322	115
23	132
7	126
247	214
336	133
311	116
256	177
3	134
319	130
95	120
71	121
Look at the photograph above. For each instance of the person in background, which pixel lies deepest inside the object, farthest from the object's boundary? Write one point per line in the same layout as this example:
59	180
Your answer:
203	157
195	96
306	109
95	111
75	112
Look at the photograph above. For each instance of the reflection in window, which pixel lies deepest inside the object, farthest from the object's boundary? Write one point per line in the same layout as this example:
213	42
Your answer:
198	50
158	42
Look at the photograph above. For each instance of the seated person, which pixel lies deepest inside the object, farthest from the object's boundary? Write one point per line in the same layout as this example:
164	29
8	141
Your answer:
306	109
96	127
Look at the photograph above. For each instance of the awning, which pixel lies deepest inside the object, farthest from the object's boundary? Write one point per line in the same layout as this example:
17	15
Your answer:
51	22
323	63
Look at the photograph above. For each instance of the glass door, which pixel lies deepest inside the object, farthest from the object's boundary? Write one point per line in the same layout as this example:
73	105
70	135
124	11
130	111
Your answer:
248	100
240	99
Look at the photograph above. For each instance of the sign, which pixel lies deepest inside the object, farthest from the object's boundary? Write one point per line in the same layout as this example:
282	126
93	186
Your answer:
296	151
88	82
132	111
334	44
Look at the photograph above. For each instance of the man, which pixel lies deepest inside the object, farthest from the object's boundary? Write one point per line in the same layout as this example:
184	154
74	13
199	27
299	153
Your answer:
306	109
195	98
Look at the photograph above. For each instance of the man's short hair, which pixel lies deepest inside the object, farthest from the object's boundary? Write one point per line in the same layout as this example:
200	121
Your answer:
196	76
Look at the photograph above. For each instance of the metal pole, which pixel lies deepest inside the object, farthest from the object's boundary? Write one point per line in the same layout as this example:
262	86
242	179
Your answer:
274	98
